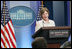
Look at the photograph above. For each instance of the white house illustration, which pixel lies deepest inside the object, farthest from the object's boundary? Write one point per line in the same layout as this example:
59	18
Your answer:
21	15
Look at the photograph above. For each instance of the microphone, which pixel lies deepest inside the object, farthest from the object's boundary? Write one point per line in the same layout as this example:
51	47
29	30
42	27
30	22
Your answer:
43	23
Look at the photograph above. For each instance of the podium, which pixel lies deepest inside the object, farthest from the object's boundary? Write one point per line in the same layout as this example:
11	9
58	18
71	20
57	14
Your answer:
54	35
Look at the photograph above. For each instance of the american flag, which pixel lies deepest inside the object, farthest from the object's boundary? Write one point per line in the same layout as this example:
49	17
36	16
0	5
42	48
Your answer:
39	17
7	31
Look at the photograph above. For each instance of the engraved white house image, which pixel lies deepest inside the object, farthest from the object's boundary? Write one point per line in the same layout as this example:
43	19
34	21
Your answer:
22	15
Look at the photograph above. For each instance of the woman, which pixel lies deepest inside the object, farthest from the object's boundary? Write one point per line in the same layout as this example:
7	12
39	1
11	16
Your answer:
45	22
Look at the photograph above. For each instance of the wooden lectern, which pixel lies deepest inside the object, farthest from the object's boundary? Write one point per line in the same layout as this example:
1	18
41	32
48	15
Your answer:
54	35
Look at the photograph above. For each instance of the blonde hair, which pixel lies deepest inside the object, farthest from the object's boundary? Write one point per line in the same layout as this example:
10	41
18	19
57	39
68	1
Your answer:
43	9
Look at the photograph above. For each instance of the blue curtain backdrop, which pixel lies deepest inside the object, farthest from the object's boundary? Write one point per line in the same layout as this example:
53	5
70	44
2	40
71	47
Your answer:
69	17
68	13
24	34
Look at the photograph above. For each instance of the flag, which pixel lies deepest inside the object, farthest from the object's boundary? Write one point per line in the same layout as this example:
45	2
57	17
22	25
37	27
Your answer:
7	31
38	16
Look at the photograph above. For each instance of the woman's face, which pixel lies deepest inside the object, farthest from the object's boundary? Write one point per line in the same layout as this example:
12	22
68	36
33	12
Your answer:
45	15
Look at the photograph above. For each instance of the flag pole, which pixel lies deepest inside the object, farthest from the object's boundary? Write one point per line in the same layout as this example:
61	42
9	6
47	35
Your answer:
42	3
4	22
